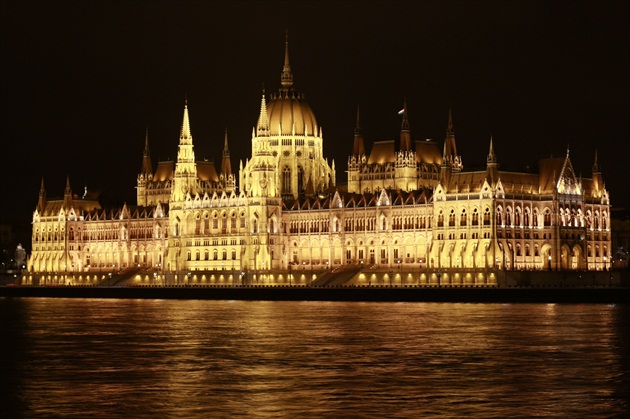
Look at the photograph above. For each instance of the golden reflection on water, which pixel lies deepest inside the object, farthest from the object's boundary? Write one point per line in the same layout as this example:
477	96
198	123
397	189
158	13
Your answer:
161	358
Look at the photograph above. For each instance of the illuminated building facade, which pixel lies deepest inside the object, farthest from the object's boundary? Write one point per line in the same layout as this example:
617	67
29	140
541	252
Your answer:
408	207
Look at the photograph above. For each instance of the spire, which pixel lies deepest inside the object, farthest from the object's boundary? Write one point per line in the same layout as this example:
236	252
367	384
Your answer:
41	204
147	168
226	166
491	159
450	156
68	190
595	166
67	196
185	136
263	119
405	135
287	76
492	174
359	147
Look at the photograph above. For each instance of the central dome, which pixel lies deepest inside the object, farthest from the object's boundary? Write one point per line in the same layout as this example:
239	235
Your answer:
289	109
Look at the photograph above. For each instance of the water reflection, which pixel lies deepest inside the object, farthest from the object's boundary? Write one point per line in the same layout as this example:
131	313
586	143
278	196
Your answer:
312	359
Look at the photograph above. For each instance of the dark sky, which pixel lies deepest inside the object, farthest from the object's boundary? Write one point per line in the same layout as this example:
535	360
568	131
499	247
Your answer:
82	80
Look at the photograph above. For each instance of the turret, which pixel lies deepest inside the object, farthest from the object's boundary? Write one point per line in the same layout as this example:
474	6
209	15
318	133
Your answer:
185	176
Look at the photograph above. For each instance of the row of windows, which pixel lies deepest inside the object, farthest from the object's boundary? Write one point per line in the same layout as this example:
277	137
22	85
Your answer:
215	255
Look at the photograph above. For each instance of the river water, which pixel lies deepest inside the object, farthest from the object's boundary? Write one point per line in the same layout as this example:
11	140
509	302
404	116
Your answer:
172	358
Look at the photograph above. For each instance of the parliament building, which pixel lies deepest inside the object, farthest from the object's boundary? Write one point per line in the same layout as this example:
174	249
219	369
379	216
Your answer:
408	206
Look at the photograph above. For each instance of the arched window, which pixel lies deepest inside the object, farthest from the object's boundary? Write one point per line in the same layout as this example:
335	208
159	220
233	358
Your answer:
462	220
224	254
233	254
215	254
526	218
300	179
206	255
286	180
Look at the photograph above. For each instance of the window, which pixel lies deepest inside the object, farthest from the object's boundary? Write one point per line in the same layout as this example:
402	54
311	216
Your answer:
286	180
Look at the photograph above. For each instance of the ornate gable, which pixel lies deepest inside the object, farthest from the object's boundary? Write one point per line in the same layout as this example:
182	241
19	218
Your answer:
567	181
383	198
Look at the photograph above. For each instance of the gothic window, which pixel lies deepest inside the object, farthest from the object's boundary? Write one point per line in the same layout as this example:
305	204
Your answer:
547	218
475	217
589	251
286	180
462	220
440	219
188	256
300	179
518	250
233	254
499	216
224	254
526	218
517	217
215	254
206	255
197	255
451	218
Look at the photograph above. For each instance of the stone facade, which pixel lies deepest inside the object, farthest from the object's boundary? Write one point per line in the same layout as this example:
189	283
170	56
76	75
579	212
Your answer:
408	207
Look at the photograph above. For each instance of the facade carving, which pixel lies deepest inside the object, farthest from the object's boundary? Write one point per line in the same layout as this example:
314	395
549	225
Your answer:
406	206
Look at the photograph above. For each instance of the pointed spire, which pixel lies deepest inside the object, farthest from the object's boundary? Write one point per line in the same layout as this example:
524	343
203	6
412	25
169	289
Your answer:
359	147
41	203
147	168
226	165
68	189
67	196
185	136
450	156
287	76
491	159
263	118
405	135
595	166
405	119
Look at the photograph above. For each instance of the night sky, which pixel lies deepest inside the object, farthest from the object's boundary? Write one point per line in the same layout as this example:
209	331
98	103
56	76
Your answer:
81	81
